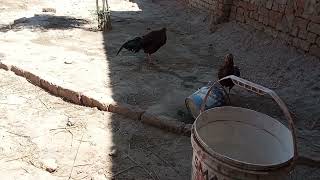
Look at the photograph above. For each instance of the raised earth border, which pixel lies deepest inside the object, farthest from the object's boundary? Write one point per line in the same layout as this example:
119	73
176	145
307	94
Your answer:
129	111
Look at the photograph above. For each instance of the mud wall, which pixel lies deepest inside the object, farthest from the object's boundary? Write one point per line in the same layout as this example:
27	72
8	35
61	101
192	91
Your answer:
297	22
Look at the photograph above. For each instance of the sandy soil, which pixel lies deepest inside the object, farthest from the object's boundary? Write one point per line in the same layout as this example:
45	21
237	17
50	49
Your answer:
84	142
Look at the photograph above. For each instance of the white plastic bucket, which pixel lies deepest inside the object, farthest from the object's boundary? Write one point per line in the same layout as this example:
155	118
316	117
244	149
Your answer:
233	143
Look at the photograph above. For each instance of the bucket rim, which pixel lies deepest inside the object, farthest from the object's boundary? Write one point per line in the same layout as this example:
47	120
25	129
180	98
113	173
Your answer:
235	162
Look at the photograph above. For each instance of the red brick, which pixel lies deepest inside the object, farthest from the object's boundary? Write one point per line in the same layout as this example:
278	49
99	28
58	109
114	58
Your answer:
248	21
266	20
275	6
289	10
268	30
269	4
281	7
53	89
69	95
261	18
272	23
226	9
311	37
17	71
301	23
282	2
243	4
264	11
318	41
163	122
283	25
299	3
240	18
305	45
246	14
285	37
303	34
315	50
315	28
228	2
315	19
240	11
251	14
252	7
220	13
258	25
236	2
4	66
289	40
256	16
232	15
32	78
299	12
295	42
233	9
275	15
274	33
126	110
294	31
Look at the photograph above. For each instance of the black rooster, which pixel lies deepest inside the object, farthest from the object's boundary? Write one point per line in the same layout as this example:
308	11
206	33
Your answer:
228	69
150	43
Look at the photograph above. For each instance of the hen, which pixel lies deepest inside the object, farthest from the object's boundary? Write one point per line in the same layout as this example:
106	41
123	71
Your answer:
228	69
150	43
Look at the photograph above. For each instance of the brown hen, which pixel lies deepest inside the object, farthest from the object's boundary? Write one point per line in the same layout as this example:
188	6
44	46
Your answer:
227	69
150	43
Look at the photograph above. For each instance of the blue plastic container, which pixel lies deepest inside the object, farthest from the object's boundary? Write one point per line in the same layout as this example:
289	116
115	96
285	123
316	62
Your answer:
216	98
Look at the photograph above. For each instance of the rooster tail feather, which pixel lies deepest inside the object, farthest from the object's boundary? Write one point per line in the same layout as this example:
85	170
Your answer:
133	45
120	48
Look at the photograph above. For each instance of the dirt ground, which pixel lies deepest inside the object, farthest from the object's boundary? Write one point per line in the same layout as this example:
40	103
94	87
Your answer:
65	49
35	127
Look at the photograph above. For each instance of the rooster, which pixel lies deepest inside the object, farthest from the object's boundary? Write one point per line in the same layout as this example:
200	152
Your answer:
150	43
228	69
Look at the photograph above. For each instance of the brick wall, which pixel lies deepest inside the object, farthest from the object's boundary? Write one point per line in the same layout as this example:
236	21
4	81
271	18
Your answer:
295	21
206	5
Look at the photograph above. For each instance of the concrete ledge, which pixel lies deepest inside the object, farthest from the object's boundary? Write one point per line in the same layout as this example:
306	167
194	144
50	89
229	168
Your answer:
69	95
17	71
126	110
35	80
53	89
163	122
3	66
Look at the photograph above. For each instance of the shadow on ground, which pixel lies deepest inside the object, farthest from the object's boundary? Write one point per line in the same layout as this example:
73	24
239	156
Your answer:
189	60
44	22
160	88
150	88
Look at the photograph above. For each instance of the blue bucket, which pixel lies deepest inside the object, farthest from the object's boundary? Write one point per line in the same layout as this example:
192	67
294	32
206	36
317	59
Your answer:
216	98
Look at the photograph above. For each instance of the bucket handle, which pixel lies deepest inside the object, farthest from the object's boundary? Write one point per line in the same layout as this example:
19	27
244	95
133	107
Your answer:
260	90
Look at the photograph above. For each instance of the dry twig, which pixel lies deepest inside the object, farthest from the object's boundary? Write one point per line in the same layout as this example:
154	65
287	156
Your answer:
20	135
75	157
43	103
125	170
